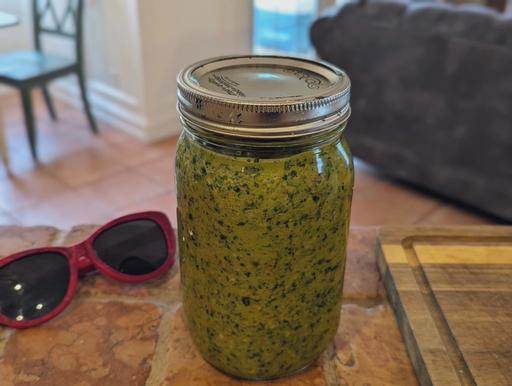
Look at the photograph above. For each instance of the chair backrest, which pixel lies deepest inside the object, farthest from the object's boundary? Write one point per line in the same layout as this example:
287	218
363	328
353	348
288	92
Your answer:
63	20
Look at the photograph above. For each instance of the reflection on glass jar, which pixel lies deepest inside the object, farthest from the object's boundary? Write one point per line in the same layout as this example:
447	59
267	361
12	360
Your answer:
263	223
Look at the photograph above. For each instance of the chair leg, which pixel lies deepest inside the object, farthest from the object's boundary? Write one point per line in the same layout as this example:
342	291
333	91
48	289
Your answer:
85	99
29	121
4	153
49	103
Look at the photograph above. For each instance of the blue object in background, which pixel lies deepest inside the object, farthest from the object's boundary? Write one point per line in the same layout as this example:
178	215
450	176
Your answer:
282	26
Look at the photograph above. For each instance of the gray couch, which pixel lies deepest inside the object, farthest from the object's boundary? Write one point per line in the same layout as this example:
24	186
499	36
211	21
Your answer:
432	94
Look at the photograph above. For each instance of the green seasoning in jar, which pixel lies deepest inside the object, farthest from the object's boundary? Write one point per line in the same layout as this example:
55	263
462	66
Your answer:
264	180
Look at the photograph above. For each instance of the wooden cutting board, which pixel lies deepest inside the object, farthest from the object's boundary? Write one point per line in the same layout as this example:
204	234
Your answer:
451	289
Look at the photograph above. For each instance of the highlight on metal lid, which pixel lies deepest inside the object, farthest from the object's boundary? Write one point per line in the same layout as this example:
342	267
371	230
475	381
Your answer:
263	96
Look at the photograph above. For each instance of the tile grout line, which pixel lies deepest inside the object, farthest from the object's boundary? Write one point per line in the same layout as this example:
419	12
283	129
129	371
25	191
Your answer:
133	169
430	212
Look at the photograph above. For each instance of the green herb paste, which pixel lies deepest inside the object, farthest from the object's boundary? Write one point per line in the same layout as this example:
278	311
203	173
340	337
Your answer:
262	248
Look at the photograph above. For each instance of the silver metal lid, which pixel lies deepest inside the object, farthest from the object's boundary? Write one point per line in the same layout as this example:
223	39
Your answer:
263	96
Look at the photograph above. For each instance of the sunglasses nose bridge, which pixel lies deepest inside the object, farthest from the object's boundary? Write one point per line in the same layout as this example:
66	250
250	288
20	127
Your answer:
82	257
84	262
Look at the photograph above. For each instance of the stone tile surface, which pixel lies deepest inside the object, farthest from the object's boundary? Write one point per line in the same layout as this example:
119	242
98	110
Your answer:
380	202
362	278
93	344
164	290
124	188
165	202
368	349
120	334
185	367
78	233
446	214
29	188
15	238
161	171
7	219
84	166
64	210
129	154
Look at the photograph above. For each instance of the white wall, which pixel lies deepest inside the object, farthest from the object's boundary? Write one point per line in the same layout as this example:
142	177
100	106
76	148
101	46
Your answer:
178	33
134	50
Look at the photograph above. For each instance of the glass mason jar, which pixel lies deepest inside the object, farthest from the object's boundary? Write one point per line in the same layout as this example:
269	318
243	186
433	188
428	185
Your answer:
264	183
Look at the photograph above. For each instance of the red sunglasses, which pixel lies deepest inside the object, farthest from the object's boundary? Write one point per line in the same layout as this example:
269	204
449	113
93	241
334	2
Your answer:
38	284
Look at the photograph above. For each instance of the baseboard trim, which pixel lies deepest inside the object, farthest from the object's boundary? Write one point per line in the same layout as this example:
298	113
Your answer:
119	110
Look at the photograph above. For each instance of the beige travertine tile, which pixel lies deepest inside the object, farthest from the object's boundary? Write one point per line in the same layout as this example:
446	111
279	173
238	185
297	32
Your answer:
165	202
69	133
123	189
92	343
446	214
161	171
59	144
15	238
369	349
109	134
7	219
20	159
136	152
64	210
28	188
381	202
362	277
77	234
168	145
182	365
84	166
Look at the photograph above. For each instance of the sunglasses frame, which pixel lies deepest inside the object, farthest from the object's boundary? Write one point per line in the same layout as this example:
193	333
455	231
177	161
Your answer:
82	258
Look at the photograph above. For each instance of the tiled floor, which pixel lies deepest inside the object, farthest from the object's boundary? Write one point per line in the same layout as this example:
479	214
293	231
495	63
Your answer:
84	178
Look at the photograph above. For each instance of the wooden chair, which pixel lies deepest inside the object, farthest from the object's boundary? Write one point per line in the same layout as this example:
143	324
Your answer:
26	70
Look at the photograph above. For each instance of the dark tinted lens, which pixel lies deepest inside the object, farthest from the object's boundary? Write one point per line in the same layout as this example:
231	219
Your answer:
33	286
134	248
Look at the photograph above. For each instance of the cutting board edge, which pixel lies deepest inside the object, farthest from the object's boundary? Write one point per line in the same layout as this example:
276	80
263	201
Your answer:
391	234
404	325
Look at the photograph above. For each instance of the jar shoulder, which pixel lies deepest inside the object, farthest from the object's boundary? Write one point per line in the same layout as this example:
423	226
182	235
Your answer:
195	153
